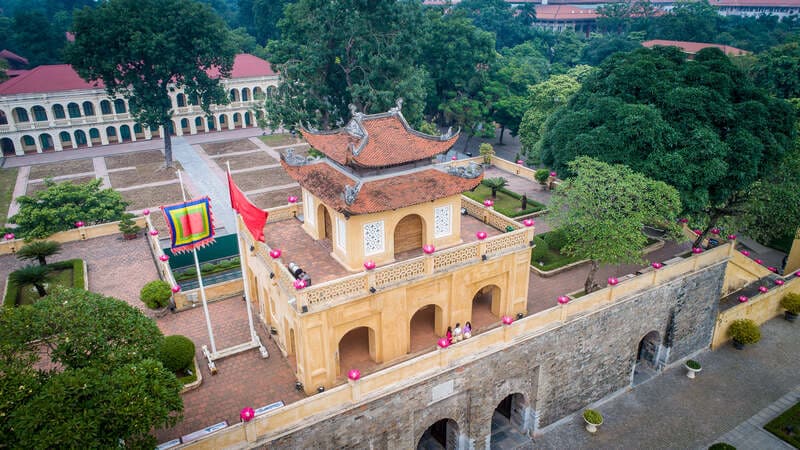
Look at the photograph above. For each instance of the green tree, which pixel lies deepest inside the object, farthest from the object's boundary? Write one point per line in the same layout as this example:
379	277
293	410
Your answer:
36	276
510	25
60	205
106	388
494	184
779	70
334	54
39	250
699	125
36	38
150	47
543	99
602	211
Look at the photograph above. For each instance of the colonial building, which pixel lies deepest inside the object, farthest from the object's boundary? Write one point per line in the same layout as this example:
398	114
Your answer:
384	253
51	108
691	48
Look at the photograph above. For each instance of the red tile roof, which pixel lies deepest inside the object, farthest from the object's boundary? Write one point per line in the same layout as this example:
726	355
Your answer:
387	141
328	183
694	47
12	57
565	12
765	3
62	77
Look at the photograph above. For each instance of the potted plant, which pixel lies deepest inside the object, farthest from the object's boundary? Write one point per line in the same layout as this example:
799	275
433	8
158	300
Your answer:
593	420
743	332
692	367
541	176
487	151
128	228
791	303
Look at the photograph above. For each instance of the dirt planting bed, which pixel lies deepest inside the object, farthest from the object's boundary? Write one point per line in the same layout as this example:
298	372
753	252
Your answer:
277	140
259	179
36	187
245	161
275	198
152	197
143	174
221	148
61	168
135	159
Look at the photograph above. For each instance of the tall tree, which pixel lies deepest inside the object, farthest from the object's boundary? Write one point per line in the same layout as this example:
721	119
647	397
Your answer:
89	371
333	54
699	125
543	99
778	70
602	210
36	39
510	25
152	46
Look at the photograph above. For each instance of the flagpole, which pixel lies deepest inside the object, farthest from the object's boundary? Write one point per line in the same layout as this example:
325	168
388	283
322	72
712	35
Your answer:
241	262
200	281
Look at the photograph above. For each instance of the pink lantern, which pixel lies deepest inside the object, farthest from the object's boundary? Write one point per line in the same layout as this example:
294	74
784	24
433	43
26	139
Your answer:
163	258
428	249
779	282
612	281
354	374
743	298
657	265
488	203
758	261
454	157
299	284
563	299
247	414
772	269
79	224
176	288
731	237
275	253
763	289
698	231
145	212
369	264
715	231
443	343
683	220
507	320
481	235
745	253
553	174
697	250
153	232
520	162
9	236
797	274
292	199
528	222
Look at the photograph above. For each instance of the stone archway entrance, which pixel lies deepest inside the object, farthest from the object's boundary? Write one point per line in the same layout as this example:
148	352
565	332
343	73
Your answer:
485	307
647	357
442	435
509	423
422	328
356	351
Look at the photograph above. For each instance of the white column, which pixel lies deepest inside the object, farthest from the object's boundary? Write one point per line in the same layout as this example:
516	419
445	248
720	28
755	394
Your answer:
103	136
147	133
57	143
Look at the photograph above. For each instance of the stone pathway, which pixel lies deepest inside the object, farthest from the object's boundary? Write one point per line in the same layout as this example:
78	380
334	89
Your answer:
19	189
751	434
101	171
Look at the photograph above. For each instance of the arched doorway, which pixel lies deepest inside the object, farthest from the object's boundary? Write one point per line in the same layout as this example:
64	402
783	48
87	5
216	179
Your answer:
485	307
199	125
185	126
326	227
237	120
647	357
66	140
8	147
111	132
125	133
138	131
247	121
423	326
94	135
80	138
46	142
408	235
509	423
356	350
442	435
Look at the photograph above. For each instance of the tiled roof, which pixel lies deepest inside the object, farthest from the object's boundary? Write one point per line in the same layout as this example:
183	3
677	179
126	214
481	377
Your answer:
694	47
12	57
328	183
565	12
62	77
765	3
380	140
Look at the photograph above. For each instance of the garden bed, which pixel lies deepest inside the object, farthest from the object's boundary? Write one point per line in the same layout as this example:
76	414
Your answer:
278	140
260	158
36	187
273	199
150	197
221	148
547	260
134	159
61	168
507	202
69	273
143	174
259	179
787	426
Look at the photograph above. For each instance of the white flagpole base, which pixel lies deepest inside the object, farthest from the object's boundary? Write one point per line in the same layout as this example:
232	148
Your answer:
230	351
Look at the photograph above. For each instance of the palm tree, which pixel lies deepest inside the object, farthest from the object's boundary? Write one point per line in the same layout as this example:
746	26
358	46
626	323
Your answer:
494	184
39	250
32	275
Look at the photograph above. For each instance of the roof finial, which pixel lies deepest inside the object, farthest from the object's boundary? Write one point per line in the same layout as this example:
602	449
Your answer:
399	103
353	110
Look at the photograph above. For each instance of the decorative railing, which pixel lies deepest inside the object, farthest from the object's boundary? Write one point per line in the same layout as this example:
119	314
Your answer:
488	215
283	212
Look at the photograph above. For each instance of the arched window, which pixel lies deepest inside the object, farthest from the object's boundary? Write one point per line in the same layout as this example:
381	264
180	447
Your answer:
80	137
180	99
137	129
105	107
234	95
94	133
20	115
64	136
39	114
58	112
245	94
119	106
74	110
111	132
4	120
88	109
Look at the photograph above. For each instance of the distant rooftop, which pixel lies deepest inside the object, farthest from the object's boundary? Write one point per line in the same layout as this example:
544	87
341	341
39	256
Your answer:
694	47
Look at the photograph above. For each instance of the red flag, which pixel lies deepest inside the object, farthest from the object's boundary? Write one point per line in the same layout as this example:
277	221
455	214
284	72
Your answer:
254	217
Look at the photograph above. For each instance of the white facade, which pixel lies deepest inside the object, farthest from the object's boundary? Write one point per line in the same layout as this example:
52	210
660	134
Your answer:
73	119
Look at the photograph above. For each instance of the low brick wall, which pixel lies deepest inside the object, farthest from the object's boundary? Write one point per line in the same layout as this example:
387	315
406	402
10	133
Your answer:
76	234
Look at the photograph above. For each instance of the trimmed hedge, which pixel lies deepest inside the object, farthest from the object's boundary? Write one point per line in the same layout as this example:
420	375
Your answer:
12	290
744	331
208	269
177	353
156	294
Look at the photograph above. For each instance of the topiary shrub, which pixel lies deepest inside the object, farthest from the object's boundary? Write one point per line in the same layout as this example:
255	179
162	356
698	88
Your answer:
177	353
540	250
542	175
791	303
156	294
744	331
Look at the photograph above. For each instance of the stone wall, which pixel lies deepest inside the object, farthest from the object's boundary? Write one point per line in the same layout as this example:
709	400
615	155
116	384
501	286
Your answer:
558	372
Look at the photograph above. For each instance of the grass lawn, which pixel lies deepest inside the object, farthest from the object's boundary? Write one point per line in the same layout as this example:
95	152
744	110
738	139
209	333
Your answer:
552	259
787	426
27	294
67	273
8	178
506	202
